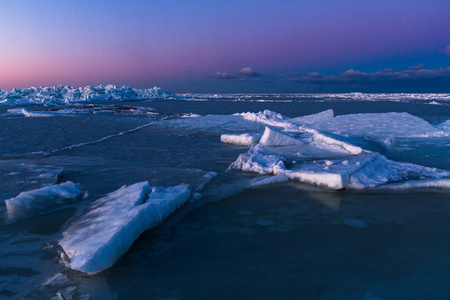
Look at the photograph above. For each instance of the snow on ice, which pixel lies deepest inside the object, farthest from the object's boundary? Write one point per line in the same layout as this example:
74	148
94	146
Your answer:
68	94
339	152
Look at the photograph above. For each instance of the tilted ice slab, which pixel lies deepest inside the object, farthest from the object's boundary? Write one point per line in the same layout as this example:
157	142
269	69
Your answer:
41	200
99	238
255	160
270	118
245	139
67	94
276	138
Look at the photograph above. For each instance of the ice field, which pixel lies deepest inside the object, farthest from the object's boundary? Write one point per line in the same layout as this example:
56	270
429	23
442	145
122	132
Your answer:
267	196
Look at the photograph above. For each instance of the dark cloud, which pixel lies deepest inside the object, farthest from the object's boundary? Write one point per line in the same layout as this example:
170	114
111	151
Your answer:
415	78
247	71
221	75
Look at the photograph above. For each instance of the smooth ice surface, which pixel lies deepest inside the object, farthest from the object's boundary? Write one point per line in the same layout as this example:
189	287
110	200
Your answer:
314	119
41	200
240	139
67	94
276	138
99	238
380	126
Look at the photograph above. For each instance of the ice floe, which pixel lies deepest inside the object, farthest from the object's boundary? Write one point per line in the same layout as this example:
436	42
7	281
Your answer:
377	126
275	138
240	139
255	160
41	200
68	94
345	156
97	239
314	119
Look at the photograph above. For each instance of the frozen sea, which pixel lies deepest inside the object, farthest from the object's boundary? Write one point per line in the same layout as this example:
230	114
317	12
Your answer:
379	229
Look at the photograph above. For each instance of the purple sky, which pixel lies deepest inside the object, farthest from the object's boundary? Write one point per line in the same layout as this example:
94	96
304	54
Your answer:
228	46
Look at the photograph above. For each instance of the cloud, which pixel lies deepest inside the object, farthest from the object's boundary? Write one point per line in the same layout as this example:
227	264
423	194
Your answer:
447	51
415	78
247	71
221	75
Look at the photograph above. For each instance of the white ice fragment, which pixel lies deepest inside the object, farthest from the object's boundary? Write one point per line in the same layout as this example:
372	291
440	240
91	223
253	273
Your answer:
329	163
276	138
57	279
96	240
259	182
270	118
240	139
40	200
256	161
334	139
415	184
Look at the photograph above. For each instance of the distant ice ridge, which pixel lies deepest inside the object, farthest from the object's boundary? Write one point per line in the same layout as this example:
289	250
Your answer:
339	152
96	240
355	96
68	94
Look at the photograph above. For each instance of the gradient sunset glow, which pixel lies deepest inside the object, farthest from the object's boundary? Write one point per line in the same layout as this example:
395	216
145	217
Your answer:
201	46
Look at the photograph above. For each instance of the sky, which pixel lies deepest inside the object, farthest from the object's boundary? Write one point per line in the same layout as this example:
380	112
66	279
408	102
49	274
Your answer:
228	46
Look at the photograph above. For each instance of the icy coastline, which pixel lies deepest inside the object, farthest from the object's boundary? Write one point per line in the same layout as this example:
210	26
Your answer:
68	94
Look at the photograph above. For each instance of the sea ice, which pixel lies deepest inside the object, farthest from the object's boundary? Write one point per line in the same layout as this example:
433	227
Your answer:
41	200
378	126
275	138
67	94
312	120
256	161
270	118
99	238
336	140
259	182
240	139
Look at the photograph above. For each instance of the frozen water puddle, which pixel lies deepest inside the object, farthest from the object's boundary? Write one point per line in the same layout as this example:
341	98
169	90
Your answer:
96	240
